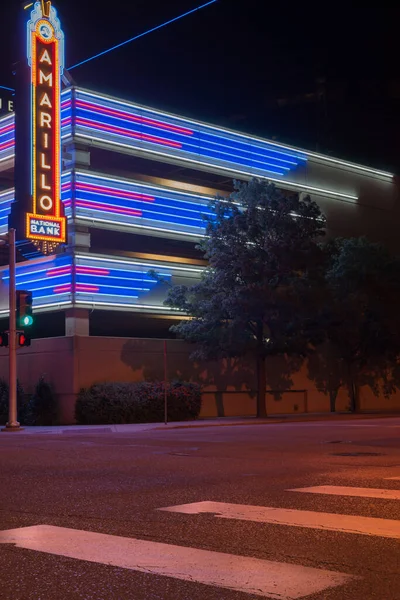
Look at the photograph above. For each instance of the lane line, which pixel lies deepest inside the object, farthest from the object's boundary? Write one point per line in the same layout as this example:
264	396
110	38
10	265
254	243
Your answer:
357	492
393	478
370	526
265	578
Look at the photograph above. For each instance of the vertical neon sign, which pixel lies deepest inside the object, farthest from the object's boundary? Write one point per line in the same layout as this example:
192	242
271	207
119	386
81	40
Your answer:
46	224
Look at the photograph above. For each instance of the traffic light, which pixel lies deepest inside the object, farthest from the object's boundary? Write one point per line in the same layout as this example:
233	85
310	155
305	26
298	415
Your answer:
4	339
24	339
24	308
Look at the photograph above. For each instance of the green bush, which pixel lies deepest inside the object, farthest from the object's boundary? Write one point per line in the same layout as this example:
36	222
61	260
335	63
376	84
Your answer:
42	407
106	403
22	404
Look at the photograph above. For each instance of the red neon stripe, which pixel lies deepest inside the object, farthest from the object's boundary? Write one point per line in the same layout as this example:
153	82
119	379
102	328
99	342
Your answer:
131	117
58	271
114	192
94	270
62	288
127	133
108	208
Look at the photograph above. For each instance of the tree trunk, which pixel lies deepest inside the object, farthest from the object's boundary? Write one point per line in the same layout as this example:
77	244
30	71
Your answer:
354	393
261	384
261	372
332	400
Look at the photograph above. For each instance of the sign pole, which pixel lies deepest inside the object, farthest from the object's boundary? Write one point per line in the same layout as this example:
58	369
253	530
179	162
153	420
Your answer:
12	424
165	384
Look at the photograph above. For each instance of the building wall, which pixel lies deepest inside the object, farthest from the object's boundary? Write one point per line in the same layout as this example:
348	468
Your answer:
70	363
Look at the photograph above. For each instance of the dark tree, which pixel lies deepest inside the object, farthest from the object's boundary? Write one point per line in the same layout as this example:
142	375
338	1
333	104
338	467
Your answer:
362	319
259	294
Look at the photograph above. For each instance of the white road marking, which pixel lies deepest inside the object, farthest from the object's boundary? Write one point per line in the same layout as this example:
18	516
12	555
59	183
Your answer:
358	492
265	578
393	478
386	528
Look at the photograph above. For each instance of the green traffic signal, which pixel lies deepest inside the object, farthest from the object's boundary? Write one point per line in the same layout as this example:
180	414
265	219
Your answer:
24	308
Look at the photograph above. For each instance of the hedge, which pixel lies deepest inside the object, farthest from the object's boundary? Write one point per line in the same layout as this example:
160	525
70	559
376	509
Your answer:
107	403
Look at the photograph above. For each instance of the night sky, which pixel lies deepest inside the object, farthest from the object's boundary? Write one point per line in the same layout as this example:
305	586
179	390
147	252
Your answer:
324	78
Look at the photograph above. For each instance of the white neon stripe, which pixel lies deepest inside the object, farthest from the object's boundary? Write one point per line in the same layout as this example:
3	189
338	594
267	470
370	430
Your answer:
38	307
4	119
7	157
280	581
292	184
126	305
5	192
55	304
169	266
386	528
303	153
139	226
357	492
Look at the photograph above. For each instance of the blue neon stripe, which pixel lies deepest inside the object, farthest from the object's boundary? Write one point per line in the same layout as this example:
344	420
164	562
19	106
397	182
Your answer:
198	150
200	139
201	129
140	35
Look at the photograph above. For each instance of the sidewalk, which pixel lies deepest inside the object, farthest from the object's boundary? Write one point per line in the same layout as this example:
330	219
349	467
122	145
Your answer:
200	423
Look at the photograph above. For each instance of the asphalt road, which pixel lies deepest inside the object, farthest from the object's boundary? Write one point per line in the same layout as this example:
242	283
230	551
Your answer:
114	484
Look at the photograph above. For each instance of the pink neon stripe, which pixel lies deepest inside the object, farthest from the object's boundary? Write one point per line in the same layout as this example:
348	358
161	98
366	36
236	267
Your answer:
6	145
107	208
127	133
62	288
131	117
58	271
94	270
86	288
114	192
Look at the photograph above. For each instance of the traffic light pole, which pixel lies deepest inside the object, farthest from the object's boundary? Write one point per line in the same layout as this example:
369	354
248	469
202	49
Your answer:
12	424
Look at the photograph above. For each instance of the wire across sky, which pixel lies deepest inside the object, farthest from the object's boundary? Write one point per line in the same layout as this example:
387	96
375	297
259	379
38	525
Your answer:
136	37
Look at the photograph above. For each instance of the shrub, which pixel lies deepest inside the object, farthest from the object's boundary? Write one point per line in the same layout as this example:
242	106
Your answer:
143	402
21	403
42	407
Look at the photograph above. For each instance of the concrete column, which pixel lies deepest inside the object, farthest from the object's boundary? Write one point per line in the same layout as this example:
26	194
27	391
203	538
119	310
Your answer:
77	322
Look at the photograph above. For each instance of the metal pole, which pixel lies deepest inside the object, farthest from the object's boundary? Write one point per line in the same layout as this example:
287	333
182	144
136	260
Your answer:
165	384
12	341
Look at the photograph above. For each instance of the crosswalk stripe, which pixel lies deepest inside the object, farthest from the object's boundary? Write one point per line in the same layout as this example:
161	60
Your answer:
386	528
265	578
338	490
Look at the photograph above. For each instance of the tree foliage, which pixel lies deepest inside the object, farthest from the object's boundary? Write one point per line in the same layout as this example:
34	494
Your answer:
361	319
261	288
